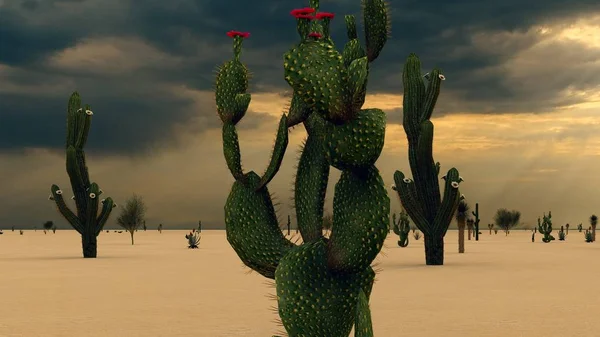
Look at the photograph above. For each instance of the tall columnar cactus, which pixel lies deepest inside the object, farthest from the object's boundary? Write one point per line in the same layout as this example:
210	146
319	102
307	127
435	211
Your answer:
545	227
323	285
88	221
476	221
401	228
421	197
561	234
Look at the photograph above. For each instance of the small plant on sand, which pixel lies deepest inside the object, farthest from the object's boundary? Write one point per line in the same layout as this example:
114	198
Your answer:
533	231
199	229
401	228
132	214
545	227
48	225
193	239
476	221
580	227
322	285
593	223
20	232
89	219
490	227
567	229
506	219
160	228
561	234
588	236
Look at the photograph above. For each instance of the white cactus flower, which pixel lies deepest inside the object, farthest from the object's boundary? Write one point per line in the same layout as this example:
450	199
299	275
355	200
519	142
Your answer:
89	112
406	180
454	184
442	77
59	192
92	195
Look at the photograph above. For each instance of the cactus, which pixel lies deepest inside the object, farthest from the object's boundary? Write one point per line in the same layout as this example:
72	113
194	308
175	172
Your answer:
199	229
580	227
160	227
88	221
588	236
323	285
490	227
561	234
545	227
533	235
401	228
193	239
421	197
593	223
476	221
567	229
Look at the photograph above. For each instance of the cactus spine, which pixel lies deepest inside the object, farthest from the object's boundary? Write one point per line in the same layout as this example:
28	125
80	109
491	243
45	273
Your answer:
421	197
401	228
330	277
88	221
545	227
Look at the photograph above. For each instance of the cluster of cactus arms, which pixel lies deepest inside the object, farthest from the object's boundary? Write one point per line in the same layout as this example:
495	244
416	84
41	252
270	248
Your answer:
420	196
323	285
545	227
193	239
561	234
476	221
401	228
89	220
589	238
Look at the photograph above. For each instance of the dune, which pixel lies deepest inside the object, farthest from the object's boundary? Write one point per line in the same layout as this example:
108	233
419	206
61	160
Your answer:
502	286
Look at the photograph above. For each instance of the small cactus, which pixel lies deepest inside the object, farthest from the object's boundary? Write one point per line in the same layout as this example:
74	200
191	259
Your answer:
401	228
561	234
490	227
193	239
588	236
580	227
545	227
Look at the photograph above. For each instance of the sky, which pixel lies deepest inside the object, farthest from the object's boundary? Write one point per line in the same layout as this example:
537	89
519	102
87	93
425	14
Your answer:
519	112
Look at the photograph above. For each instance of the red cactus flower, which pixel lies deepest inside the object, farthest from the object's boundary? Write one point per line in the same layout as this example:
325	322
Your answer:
322	15
314	34
302	11
234	33
305	16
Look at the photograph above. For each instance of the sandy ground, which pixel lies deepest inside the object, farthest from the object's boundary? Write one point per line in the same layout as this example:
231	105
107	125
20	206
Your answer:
501	286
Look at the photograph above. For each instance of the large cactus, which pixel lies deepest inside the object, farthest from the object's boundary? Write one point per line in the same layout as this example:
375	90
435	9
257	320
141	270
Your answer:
420	197
545	227
88	221
322	285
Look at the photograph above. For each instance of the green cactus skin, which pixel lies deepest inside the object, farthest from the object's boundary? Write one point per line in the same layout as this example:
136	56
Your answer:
401	228
476	215
589	238
561	234
323	285
545	227
88	221
421	197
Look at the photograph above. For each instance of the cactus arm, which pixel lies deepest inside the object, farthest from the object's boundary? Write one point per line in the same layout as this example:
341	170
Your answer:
310	189
432	93
76	178
437	168
64	209
358	72
107	207
395	226
252	228
427	179
281	143
231	150
407	194
361	214
363	327
353	49
298	112
377	26
414	91
449	204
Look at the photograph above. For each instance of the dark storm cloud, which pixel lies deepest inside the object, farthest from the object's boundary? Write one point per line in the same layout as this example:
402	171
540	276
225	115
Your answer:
192	32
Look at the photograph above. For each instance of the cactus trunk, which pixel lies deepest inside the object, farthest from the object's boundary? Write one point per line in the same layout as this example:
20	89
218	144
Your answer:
593	233
461	236
434	250
89	244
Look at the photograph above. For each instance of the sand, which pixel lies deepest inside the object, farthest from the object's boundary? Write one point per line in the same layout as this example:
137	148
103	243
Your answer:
501	286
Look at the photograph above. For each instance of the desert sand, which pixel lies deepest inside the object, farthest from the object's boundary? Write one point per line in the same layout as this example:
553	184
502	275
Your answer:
502	286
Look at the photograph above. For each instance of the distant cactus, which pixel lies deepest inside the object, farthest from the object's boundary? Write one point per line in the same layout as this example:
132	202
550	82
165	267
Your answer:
470	225
580	227
160	228
593	223
588	236
20	232
490	227
193	239
476	221
87	221
533	235
495	231
545	227
561	234
322	285
401	228
199	229
567	228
